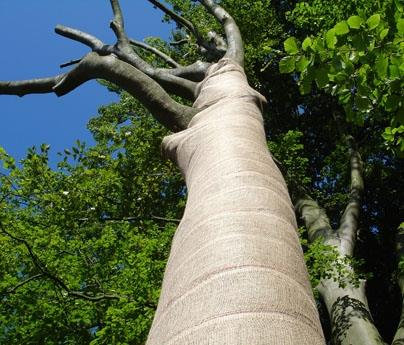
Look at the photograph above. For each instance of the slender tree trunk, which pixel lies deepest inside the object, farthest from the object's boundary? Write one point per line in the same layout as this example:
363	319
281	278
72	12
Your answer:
347	305
236	273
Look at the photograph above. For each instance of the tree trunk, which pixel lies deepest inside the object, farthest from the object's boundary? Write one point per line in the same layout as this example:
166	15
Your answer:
236	273
351	321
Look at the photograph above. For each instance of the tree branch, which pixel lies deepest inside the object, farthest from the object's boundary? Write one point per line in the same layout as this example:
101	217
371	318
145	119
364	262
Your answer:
235	49
170	82
70	63
117	24
94	298
155	51
195	72
24	87
315	219
180	21
349	220
171	114
76	35
46	273
14	289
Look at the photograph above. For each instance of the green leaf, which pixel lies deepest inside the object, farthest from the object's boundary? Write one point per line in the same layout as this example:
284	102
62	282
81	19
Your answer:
400	26
321	77
355	22
301	63
287	64
362	103
330	38
392	102
394	72
306	43
305	86
382	63
373	21
383	33
359	43
341	28
291	46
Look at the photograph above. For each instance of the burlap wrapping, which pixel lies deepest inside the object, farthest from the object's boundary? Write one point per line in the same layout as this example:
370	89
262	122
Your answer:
236	273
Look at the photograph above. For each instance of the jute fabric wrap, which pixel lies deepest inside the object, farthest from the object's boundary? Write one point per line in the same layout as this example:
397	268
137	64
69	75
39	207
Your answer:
236	273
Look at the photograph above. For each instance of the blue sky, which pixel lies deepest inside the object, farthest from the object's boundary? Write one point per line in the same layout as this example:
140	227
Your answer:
30	48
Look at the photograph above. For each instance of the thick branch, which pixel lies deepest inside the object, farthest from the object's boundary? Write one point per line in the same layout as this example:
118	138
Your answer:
235	50
155	51
170	82
93	42
315	219
93	66
170	113
24	87
195	72
349	220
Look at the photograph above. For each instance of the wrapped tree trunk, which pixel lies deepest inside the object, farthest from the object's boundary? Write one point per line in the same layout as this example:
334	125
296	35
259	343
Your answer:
236	273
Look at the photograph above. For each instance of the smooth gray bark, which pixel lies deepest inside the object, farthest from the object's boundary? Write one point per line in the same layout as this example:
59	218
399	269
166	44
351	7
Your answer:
347	305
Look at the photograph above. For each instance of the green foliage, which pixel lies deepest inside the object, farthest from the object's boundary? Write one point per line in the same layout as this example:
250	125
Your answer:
324	262
289	150
100	224
360	62
314	16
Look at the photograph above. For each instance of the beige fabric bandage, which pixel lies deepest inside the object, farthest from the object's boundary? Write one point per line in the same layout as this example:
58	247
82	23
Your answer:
236	273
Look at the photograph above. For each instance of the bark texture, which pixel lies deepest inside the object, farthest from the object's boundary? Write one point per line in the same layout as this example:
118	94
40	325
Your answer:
236	273
351	320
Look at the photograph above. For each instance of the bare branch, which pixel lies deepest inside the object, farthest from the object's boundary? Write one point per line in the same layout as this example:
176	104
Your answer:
171	114
70	63
195	72
180	21
235	50
155	51
93	66
117	24
170	82
207	47
349	220
93	42
24	87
